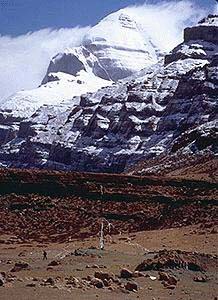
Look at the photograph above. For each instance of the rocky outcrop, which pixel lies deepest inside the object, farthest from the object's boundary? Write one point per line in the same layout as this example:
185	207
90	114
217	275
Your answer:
206	30
200	41
174	259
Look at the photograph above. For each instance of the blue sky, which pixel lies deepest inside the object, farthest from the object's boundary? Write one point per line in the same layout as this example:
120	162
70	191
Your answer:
21	16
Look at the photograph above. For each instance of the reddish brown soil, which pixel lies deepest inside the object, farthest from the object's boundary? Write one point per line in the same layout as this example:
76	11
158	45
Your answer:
53	206
62	212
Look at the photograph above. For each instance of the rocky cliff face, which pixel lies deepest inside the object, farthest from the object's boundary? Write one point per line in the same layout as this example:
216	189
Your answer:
165	109
200	41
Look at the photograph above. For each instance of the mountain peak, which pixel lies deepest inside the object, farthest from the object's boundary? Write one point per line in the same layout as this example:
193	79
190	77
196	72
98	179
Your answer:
122	18
113	49
115	41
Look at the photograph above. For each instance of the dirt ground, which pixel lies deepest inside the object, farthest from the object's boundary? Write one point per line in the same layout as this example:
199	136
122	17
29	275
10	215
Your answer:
121	251
161	243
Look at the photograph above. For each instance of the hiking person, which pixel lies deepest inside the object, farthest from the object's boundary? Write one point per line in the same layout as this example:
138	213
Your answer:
45	255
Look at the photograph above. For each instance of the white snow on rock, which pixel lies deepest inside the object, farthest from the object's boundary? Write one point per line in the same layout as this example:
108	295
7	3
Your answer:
62	90
211	20
120	46
113	49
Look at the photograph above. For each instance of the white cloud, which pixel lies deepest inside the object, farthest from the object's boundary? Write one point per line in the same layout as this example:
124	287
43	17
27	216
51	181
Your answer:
24	59
215	11
166	20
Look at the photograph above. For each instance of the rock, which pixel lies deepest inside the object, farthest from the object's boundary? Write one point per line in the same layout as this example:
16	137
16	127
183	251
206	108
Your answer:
138	274
163	276
31	285
75	282
22	254
35	279
117	281
104	275
152	277
206	31
171	259
172	280
200	279
125	273
54	263
131	286
106	282
169	286
168	278
89	277
97	283
9	262
95	266
80	252
10	277
2	279
20	266
50	281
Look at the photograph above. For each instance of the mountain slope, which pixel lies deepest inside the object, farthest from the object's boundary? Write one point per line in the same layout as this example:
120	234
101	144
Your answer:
165	109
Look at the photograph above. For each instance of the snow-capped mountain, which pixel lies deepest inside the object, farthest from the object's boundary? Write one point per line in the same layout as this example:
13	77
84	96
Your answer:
113	49
166	108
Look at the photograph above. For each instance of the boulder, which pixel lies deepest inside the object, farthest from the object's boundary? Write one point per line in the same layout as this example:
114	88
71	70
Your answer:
125	273
172	280
104	275
98	283
50	281
131	286
54	263
171	259
20	266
